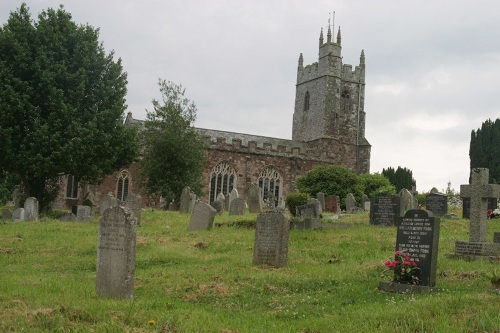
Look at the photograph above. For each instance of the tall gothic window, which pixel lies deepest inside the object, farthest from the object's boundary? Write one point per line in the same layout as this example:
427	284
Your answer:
306	101
123	185
71	187
222	180
270	183
346	101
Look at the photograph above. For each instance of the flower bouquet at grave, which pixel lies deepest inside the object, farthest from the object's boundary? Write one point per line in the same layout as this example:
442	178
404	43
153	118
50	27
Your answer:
404	269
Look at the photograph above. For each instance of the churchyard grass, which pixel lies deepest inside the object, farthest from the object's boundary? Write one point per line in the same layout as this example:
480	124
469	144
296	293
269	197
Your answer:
204	281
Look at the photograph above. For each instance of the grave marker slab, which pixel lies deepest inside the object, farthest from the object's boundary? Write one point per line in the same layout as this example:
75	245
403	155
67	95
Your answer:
321	198
350	203
232	195
271	239
436	202
406	202
31	209
492	204
384	210
202	217
18	214
107	201
185	200
116	253
332	204
83	213
134	202
237	207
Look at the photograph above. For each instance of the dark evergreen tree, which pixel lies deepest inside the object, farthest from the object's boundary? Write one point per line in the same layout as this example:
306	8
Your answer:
401	178
484	149
62	100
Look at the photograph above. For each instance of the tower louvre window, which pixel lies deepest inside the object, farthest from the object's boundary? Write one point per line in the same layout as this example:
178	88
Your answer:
346	101
306	101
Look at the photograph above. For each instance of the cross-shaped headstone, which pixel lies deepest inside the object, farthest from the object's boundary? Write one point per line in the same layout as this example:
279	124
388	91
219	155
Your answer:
479	191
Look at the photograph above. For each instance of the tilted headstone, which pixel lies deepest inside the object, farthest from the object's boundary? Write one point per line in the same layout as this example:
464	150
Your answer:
185	200
316	202
254	199
238	206
321	198
332	204
116	253
202	217
134	202
384	210
83	213
271	239
18	214
31	209
107	201
436	202
365	202
233	195
407	201
418	235
350	203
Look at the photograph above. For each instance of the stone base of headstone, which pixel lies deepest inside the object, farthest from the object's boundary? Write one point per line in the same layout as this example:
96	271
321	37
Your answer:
496	237
476	251
307	224
400	288
68	217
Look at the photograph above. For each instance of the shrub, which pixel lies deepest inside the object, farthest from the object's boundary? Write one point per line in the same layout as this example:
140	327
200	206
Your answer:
296	199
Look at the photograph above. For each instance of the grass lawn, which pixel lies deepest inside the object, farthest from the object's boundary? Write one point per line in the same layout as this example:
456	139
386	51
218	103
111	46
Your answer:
204	281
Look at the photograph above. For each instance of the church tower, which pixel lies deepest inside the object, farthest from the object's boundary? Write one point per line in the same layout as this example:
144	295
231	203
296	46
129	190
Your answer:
329	101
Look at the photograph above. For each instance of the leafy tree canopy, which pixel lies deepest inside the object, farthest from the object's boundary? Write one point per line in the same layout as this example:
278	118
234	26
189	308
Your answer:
62	100
174	152
376	185
330	179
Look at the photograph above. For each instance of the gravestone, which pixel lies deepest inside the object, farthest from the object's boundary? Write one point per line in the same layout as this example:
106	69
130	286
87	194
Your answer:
237	207
134	202
90	201
116	253
83	213
271	239
321	198
172	206
385	210
254	199
492	204
7	212
406	201
218	206
350	203
365	202
316	203
107	201
478	191
185	200
271	200
192	201
18	214
17	197
309	215
436	202
232	195
202	217
332	204
31	209
496	237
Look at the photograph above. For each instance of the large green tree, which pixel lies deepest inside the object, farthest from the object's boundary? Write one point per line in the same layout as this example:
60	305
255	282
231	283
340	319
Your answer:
484	151
174	152
401	178
375	184
331	179
62	100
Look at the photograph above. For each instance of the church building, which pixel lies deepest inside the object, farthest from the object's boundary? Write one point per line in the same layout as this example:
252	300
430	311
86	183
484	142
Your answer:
328	128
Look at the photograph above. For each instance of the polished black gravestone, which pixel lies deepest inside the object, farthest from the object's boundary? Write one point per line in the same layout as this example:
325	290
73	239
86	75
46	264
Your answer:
384	210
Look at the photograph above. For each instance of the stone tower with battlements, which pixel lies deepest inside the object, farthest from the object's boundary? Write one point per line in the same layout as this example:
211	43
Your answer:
329	101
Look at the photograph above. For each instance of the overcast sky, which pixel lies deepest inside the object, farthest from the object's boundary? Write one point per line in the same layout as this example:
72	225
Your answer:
432	67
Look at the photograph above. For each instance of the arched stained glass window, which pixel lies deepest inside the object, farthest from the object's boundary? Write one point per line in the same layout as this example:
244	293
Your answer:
270	183
123	185
222	180
71	187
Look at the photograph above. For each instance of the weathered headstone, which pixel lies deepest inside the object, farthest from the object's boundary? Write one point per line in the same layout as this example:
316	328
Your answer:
7	212
31	209
134	202
478	191
496	237
107	201
192	202
232	195
384	210
17	197
321	198
271	239
116	253
436	202
406	201
202	217
83	213
238	206
365	202
309	215
316	202
91	202
254	199
18	214
218	206
185	200
332	204
350	203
